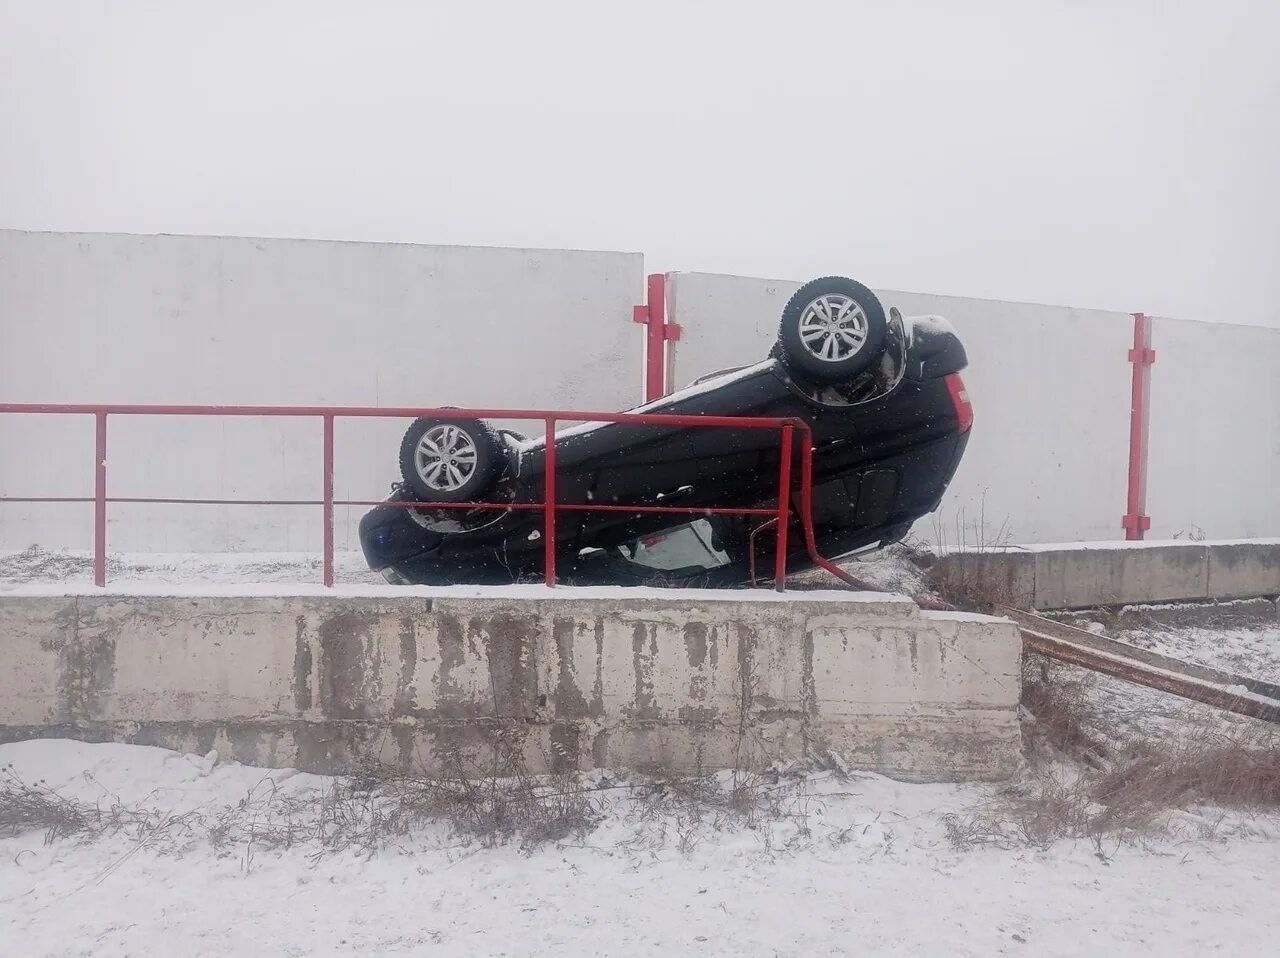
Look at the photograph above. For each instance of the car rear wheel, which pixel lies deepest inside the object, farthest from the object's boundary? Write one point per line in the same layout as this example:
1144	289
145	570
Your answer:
449	460
833	329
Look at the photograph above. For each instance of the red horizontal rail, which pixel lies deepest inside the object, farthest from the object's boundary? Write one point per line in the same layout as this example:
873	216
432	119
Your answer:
162	501
402	412
408	504
563	506
780	514
414	504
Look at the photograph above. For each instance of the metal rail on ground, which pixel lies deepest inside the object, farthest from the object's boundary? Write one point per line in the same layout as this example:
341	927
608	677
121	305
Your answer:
1199	683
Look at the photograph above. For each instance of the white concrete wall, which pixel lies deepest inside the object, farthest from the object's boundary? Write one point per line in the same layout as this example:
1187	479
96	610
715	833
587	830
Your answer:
1050	388
1214	455
184	319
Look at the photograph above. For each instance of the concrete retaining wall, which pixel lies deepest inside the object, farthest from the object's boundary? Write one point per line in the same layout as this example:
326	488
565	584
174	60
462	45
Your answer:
583	677
1084	575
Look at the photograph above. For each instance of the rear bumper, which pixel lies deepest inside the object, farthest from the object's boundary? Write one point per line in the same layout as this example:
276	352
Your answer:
886	498
900	487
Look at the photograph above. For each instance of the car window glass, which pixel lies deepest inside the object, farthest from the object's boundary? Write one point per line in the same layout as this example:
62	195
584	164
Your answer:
678	548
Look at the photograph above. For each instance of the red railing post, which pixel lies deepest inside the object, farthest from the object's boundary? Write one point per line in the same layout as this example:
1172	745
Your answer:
549	505
100	499
657	332
806	511
784	511
328	500
1135	521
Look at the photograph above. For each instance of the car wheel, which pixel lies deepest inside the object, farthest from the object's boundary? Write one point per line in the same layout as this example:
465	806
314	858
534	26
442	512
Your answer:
446	460
833	329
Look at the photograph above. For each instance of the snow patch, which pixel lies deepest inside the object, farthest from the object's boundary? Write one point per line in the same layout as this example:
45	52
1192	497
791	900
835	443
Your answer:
1096	546
871	873
523	591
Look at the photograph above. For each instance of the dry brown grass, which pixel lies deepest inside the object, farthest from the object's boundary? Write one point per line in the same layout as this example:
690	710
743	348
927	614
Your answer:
474	799
681	810
974	582
28	807
967	567
490	801
37	806
1241	772
1064	721
496	798
1141	796
1081	784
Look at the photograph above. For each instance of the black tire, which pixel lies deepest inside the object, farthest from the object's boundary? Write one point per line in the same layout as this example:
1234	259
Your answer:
451	483
855	341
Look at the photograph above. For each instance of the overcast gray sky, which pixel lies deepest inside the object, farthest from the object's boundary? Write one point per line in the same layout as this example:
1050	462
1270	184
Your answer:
1121	154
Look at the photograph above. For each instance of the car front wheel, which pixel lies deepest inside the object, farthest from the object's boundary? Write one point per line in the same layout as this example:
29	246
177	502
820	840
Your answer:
833	329
449	460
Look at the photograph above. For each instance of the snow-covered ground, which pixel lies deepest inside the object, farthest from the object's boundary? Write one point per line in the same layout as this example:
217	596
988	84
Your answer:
850	865
38	566
888	571
870	873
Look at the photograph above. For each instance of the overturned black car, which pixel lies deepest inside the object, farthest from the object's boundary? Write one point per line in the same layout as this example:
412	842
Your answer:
881	394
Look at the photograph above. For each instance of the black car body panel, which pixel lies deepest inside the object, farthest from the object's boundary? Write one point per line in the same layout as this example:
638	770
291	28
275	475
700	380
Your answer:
879	463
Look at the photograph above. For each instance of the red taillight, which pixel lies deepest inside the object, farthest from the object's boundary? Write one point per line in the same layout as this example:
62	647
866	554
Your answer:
960	401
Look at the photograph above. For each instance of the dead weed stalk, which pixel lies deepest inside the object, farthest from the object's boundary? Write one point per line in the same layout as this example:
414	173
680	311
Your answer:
1079	785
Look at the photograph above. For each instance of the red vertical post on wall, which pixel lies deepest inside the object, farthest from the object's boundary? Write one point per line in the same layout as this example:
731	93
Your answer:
1135	520
653	314
784	511
549	505
100	500
328	501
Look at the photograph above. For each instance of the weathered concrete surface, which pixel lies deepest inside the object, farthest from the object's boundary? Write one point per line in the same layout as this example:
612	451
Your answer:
325	682
1087	574
1243	570
1080	578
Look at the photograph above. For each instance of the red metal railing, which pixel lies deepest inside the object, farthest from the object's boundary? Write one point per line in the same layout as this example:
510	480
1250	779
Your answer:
779	516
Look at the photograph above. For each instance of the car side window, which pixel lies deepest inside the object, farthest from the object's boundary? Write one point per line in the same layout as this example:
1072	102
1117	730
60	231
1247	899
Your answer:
679	548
